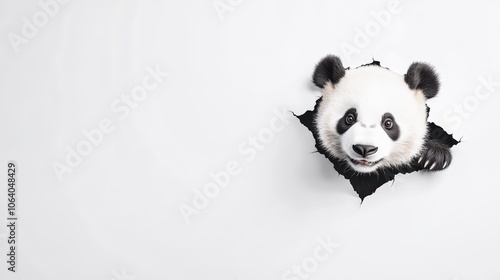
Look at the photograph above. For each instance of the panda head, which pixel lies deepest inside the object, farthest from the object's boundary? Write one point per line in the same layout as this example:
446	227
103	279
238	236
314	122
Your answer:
371	117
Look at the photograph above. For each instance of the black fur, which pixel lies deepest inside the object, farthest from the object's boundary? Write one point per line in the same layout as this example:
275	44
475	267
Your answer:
436	148
423	77
394	132
342	126
435	156
328	69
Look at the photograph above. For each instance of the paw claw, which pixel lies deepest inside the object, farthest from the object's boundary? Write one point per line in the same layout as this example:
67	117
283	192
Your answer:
444	165
426	163
432	166
421	158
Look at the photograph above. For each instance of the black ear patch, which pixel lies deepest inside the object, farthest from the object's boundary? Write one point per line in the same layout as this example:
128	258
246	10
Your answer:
328	69
423	77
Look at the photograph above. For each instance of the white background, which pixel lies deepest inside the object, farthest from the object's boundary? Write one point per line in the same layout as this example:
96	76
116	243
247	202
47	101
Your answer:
116	215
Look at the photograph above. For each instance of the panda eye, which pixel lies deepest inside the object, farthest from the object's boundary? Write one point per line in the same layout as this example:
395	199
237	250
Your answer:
388	123
350	119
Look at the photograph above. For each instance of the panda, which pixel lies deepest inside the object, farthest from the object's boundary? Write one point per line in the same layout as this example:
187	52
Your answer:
371	122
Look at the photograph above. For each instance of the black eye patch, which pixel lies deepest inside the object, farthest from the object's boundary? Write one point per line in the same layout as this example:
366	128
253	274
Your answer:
390	126
347	121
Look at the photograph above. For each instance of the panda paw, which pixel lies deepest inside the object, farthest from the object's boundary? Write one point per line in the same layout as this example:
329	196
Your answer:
435	156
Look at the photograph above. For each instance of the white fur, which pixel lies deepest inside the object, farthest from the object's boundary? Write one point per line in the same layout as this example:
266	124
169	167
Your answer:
373	91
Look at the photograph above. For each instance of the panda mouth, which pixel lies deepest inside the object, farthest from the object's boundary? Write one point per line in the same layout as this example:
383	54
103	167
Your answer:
363	162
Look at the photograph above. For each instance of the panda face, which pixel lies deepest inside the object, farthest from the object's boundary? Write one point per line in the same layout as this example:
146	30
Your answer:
371	118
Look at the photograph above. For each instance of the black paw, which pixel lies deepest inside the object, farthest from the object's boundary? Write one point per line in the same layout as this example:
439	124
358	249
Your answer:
435	156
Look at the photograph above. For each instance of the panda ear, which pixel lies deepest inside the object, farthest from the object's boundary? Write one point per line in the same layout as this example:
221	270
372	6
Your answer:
423	77
329	69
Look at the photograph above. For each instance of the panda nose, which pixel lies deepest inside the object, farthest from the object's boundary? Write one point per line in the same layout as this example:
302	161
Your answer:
364	150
